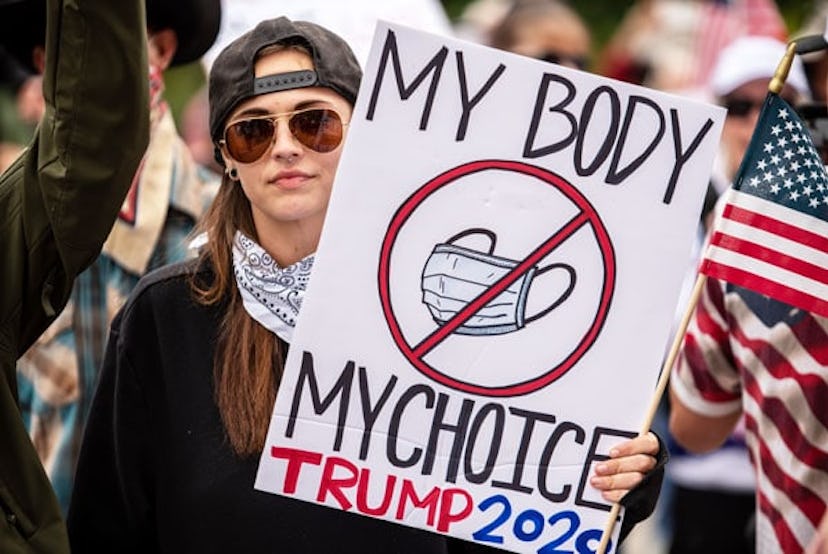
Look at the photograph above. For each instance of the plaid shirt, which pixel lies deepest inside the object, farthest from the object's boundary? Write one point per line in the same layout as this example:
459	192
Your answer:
58	375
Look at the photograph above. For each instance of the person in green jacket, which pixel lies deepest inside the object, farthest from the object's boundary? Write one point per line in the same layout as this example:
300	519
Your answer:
58	201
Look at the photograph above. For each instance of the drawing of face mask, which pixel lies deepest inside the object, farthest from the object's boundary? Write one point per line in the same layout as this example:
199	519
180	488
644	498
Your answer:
453	276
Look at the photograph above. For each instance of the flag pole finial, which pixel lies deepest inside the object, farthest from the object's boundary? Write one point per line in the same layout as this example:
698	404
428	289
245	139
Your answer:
781	75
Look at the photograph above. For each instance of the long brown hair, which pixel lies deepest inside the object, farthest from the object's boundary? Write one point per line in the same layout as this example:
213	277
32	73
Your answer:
248	362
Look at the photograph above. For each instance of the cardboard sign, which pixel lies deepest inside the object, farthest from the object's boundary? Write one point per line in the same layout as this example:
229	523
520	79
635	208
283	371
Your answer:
492	293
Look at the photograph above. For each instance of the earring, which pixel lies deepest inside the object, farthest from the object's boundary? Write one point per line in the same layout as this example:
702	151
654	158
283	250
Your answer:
232	173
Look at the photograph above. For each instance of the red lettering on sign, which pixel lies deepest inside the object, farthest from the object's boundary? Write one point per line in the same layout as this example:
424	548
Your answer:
295	458
446	502
332	485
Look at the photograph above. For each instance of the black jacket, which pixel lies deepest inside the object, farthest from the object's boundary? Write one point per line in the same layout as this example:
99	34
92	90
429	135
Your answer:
156	473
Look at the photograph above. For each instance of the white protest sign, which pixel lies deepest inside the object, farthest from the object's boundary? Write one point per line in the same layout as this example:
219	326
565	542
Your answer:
492	293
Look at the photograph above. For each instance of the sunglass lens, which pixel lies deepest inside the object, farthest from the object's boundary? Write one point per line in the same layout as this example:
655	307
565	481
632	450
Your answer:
740	107
319	130
578	62
247	140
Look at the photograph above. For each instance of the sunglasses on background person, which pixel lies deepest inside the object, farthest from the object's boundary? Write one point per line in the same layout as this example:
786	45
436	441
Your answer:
580	62
741	107
318	129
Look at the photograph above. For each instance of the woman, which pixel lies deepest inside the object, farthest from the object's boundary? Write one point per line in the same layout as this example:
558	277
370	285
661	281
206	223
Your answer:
171	449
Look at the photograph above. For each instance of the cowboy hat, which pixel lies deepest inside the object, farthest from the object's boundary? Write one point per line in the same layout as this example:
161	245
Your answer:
195	22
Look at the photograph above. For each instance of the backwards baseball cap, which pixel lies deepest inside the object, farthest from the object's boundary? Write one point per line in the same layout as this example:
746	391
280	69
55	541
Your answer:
233	79
753	57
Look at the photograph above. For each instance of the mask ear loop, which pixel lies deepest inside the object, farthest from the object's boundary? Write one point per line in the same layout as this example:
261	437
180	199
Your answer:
476	231
572	280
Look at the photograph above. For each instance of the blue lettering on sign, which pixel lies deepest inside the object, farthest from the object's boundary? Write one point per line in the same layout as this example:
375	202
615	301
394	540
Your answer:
529	524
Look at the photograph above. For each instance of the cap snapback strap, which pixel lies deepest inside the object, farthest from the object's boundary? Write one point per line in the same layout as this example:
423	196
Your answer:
284	81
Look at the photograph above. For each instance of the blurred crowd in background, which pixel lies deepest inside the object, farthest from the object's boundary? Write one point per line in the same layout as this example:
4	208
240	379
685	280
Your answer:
720	52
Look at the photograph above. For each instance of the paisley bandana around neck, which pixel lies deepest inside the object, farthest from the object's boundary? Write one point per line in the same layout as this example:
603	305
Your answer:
271	295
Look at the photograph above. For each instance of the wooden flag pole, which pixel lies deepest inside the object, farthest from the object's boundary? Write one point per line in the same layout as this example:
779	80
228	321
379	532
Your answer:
776	85
661	385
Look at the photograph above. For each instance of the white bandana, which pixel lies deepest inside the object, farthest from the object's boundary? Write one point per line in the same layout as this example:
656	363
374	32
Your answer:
271	295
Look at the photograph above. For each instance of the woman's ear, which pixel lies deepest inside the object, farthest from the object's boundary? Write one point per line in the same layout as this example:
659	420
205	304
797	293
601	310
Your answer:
161	48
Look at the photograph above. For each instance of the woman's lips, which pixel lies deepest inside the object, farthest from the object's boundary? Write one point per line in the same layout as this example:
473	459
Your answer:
289	179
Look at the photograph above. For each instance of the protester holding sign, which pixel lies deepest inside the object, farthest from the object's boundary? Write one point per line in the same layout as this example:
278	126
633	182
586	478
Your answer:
192	368
756	344
714	504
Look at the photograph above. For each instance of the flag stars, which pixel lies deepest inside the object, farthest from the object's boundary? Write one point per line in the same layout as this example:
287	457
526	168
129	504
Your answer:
785	166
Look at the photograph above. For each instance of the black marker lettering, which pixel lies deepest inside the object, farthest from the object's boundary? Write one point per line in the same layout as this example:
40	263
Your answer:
609	138
342	388
681	158
369	414
548	450
615	176
464	94
394	425
459	430
529	151
494	445
528	427
435	66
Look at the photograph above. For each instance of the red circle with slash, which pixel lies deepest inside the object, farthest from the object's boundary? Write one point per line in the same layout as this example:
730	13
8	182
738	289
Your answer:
586	216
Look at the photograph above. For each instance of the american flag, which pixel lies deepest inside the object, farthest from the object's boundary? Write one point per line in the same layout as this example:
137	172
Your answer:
773	234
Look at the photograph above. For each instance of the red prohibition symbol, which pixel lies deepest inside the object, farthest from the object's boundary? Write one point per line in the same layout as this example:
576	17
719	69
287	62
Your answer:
587	215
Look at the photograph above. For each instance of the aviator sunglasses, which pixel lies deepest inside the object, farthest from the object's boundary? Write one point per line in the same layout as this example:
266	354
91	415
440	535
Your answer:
580	62
740	107
319	129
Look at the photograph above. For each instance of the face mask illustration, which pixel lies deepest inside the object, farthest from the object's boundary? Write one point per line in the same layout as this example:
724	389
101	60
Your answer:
454	275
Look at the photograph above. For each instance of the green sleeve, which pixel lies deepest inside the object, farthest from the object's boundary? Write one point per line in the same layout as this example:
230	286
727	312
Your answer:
57	204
